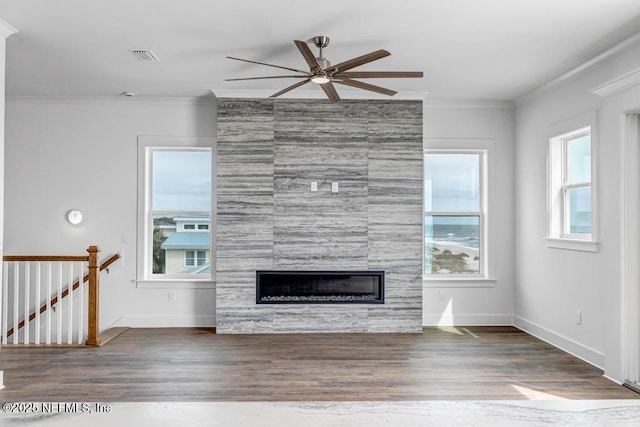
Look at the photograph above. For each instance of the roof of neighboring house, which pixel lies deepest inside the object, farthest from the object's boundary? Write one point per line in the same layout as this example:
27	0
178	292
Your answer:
199	269
187	240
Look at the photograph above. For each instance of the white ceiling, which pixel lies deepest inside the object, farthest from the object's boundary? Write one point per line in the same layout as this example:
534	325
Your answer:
468	49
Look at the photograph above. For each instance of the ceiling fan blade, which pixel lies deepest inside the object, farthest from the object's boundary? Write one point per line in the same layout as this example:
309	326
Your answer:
330	90
308	56
366	86
288	88
360	60
379	74
268	77
269	65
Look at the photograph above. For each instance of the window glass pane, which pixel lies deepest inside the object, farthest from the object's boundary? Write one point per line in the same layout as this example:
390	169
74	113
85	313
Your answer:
452	244
579	160
181	180
579	208
452	182
188	258
202	258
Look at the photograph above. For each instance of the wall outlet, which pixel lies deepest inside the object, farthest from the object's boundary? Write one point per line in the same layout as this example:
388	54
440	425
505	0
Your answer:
578	317
442	296
334	187
171	296
314	186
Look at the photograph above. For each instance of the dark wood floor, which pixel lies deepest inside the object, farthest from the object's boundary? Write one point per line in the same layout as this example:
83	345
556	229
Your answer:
195	364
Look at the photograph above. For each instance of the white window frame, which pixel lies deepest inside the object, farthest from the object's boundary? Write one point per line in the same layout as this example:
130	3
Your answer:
145	278
483	147
558	233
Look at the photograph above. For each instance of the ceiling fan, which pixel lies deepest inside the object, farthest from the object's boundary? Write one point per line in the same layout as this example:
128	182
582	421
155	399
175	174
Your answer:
325	75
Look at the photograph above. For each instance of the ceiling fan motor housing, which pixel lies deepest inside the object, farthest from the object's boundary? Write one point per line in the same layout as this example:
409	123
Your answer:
323	62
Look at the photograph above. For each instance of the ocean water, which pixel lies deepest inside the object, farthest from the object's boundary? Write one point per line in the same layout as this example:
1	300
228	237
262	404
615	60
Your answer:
454	234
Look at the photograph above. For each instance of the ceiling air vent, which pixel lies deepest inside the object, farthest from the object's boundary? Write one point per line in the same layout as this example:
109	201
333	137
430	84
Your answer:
144	55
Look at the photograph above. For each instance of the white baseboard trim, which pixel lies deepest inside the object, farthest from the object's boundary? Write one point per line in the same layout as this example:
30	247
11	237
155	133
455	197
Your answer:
166	321
613	379
568	345
467	320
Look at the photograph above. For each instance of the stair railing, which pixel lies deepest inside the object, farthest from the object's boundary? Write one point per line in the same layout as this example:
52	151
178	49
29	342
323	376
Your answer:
27	277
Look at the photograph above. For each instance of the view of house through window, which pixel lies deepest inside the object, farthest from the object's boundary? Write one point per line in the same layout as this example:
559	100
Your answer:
453	217
180	211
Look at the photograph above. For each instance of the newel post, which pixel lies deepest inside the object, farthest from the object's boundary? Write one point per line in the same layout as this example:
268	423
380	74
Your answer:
93	333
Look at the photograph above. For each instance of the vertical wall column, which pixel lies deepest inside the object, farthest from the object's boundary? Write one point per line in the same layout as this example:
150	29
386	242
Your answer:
5	31
271	216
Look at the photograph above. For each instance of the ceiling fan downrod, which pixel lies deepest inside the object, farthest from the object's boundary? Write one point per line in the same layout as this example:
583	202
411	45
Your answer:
321	42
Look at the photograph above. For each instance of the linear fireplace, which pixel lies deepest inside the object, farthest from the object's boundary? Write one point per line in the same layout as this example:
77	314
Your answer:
320	287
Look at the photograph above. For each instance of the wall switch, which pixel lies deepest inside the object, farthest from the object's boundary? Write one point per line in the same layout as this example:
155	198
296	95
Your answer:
314	186
171	296
334	187
578	317
442	296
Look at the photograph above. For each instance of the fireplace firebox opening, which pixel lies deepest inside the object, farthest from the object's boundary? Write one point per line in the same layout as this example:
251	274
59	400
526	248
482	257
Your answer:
320	287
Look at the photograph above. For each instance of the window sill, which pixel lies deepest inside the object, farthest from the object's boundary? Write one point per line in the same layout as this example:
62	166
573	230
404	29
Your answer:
175	284
572	244
458	282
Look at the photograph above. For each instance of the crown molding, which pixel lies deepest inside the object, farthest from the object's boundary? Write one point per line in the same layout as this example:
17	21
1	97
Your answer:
316	94
180	100
580	69
618	84
6	30
468	103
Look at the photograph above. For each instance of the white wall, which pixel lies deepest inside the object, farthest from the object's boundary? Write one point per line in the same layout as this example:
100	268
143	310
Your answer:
75	153
50	143
478	303
552	284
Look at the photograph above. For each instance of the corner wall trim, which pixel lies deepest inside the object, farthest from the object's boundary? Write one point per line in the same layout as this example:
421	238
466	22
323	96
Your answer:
589	355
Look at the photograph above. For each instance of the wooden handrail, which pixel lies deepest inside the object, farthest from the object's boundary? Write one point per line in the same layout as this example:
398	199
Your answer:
45	258
56	258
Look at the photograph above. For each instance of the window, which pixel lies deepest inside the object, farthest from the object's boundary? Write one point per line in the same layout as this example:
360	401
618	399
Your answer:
176	209
454	213
571	189
193	258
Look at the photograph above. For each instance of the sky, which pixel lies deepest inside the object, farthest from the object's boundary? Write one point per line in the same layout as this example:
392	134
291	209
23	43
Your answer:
181	180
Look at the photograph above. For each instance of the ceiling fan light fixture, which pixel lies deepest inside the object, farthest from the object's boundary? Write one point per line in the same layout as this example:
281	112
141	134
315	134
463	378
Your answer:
320	79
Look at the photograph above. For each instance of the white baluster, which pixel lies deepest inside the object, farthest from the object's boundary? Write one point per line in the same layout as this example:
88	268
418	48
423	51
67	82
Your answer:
16	300
70	306
81	303
49	279
59	305
37	308
27	303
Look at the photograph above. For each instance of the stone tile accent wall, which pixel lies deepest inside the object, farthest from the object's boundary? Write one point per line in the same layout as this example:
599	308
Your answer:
269	152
